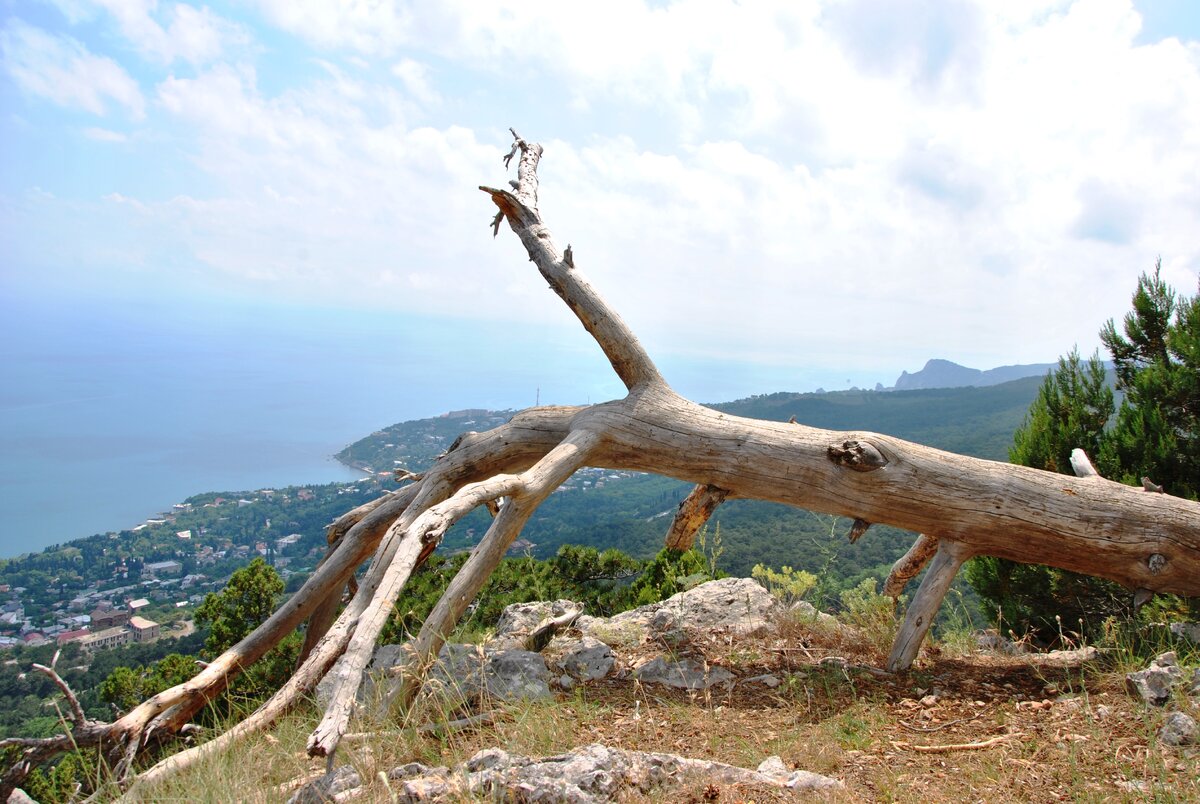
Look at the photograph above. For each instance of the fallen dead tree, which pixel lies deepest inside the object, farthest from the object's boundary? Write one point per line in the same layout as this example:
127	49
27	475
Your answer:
962	507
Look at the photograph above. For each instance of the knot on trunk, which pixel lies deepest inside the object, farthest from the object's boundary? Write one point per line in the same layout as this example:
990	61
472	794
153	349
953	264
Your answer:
857	455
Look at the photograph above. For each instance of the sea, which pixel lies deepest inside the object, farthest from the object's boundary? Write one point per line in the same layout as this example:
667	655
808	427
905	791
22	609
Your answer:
114	409
111	413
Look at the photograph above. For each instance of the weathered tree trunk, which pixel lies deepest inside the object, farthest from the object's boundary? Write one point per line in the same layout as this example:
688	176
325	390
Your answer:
963	507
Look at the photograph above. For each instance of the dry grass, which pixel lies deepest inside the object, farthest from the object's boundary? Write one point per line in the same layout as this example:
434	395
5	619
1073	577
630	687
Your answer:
1069	733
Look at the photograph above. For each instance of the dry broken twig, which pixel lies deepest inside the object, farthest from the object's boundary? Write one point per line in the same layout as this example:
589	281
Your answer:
901	745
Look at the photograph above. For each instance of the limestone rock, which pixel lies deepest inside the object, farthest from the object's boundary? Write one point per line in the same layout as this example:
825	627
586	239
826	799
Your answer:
518	621
1067	658
594	773
993	641
1154	684
1179	729
466	673
327	788
773	766
807	611
687	674
737	606
1187	630
513	675
769	680
385	658
588	659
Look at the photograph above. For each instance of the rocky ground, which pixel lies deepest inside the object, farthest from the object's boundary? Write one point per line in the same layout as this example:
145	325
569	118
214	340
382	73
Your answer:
723	694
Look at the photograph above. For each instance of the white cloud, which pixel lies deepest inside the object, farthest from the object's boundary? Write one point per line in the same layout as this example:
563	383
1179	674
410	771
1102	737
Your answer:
195	35
104	135
821	182
62	70
415	77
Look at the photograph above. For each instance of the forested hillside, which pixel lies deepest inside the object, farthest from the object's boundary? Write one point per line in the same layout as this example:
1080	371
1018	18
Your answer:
631	512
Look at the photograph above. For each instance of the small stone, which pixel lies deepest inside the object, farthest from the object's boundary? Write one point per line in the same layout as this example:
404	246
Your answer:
413	769
807	780
766	680
1178	729
565	682
1154	684
1102	711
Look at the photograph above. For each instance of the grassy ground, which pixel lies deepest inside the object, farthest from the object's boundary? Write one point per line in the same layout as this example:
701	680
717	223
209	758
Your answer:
961	727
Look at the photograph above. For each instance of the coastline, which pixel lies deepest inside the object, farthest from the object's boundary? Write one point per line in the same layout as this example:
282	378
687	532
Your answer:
34	519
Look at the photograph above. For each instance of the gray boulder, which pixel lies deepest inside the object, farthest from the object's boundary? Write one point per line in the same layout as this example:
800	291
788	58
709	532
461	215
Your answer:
1179	729
373	683
588	659
465	674
513	675
736	606
519	620
1155	684
1187	630
687	674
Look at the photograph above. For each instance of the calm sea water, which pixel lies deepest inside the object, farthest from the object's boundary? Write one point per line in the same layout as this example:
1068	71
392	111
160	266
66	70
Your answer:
111	414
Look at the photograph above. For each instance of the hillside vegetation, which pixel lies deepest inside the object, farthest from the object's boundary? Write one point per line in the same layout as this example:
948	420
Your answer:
631	512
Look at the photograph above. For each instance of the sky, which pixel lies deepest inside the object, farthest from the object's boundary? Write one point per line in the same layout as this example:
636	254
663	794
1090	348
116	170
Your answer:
782	195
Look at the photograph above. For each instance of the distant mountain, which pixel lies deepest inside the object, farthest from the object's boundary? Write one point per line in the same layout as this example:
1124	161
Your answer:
945	374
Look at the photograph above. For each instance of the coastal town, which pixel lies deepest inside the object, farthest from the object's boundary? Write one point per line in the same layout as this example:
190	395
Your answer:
142	584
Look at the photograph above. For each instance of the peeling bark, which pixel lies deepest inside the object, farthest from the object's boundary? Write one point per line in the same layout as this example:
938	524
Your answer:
909	565
694	512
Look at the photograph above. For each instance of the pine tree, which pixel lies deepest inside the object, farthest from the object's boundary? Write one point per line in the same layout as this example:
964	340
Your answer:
1071	410
1157	359
1155	434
